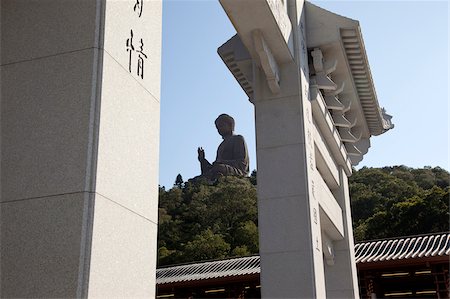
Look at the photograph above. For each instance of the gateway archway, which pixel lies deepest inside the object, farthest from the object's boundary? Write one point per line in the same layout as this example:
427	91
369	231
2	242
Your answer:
76	219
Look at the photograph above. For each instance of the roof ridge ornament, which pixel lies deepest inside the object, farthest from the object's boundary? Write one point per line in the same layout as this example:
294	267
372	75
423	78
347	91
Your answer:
387	120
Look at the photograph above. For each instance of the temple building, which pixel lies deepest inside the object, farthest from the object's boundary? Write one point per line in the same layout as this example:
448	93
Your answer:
406	267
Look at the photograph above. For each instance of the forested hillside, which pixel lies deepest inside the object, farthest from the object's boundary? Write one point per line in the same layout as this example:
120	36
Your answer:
399	201
201	221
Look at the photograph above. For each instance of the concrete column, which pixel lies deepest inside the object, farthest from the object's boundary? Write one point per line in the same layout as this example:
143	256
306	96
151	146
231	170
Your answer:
289	225
305	146
338	285
79	147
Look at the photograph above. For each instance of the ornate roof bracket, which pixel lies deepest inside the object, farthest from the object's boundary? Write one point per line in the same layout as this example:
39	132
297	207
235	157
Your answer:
267	61
357	150
354	109
326	125
322	81
321	70
321	66
356	159
357	132
333	103
352	118
337	91
363	145
239	62
347	105
348	136
352	150
340	120
331	99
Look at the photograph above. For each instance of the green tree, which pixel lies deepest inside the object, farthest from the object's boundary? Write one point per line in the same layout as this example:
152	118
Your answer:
179	181
253	178
246	235
200	220
205	246
397	201
197	211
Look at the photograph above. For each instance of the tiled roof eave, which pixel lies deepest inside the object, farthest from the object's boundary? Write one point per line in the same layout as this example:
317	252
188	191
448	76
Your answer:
353	46
408	248
209	270
405	250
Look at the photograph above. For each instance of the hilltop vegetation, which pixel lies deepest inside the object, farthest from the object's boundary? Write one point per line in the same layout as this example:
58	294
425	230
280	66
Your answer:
399	201
201	221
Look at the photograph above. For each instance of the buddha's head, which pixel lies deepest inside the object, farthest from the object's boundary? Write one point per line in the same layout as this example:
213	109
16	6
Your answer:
225	125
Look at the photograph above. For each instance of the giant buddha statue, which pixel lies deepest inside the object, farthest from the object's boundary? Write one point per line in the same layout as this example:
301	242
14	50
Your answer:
232	155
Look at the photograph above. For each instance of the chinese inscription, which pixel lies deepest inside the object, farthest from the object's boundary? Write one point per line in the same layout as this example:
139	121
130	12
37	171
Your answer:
138	7
309	137
130	49
136	55
311	161
314	205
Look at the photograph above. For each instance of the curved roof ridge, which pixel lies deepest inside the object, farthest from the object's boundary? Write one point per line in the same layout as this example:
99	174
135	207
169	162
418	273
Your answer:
400	248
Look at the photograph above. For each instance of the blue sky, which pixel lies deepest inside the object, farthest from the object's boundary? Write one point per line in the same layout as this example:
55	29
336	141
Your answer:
407	43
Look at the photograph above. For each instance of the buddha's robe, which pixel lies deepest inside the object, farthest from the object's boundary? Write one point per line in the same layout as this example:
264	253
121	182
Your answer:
232	159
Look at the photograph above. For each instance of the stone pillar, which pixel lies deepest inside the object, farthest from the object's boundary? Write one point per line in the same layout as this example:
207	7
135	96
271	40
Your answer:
338	285
313	122
79	147
290	234
278	86
290	239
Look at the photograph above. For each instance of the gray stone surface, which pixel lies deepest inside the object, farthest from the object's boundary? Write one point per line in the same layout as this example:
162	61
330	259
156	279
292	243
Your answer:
288	84
45	119
282	216
120	18
338	285
79	129
279	184
40	28
128	150
277	120
40	246
123	259
287	286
